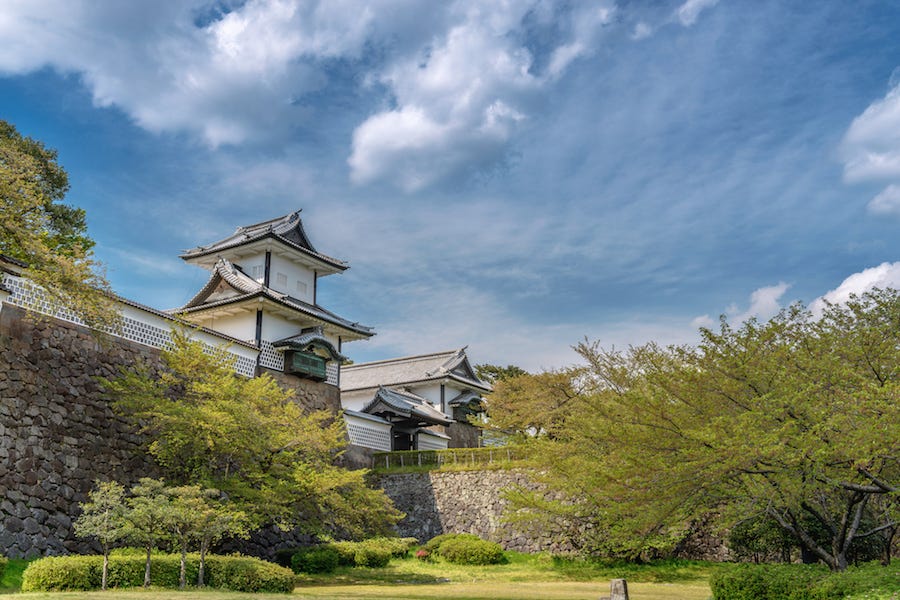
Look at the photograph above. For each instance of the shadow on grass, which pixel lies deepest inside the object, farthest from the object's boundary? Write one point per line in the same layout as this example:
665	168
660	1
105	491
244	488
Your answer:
12	576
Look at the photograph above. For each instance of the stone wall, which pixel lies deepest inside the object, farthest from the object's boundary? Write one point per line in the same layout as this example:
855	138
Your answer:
57	433
469	502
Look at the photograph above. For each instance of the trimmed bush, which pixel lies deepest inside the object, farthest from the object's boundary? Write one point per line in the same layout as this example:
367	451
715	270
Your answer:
238	573
462	551
372	555
248	574
434	543
63	573
800	582
346	553
315	559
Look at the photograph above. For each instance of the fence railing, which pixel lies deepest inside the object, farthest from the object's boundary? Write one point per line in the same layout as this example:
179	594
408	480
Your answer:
435	459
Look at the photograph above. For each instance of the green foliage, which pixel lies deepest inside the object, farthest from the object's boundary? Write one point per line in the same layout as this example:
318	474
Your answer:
48	236
760	538
462	551
238	573
3	564
374	552
800	582
797	418
535	404
434	543
371	555
494	373
315	559
209	426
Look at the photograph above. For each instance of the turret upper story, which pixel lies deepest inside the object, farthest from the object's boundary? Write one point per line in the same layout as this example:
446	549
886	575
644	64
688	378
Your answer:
264	288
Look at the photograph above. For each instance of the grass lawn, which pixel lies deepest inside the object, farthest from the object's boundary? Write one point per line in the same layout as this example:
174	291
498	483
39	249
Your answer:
524	577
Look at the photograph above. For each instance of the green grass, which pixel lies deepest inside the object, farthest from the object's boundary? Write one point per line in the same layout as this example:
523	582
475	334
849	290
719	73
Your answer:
523	577
12	576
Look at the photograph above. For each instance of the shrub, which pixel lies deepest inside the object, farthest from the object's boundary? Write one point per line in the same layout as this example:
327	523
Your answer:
3	562
398	547
371	555
434	543
799	582
464	551
422	554
63	573
346	553
239	573
247	574
315	559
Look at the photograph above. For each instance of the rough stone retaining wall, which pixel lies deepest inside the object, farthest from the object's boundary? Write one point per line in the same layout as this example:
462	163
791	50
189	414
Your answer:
469	502
57	433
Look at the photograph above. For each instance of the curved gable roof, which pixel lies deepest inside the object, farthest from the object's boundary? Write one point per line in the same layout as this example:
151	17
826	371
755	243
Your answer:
452	364
287	229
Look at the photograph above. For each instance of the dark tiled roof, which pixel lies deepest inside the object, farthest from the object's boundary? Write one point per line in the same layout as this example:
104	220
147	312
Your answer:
452	364
287	229
313	335
405	404
248	288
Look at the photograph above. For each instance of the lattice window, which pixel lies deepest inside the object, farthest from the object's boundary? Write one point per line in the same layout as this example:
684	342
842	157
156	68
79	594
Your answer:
270	358
331	373
369	437
31	297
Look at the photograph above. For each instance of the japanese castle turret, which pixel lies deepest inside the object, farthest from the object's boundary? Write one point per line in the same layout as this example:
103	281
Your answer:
263	289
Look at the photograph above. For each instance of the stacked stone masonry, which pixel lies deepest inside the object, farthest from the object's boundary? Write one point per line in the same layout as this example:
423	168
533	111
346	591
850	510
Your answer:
58	434
470	502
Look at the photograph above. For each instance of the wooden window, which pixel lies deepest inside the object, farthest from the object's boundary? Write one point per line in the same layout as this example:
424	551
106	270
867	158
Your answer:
305	364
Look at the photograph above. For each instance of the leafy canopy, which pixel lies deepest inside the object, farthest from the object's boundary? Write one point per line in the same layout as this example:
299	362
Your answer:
209	426
797	419
44	234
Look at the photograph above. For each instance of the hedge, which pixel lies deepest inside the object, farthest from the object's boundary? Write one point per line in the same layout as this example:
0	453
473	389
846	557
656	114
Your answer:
800	582
315	559
434	543
3	563
238	573
463	551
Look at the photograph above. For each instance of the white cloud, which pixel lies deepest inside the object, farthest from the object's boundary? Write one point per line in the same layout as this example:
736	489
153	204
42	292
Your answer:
885	275
871	145
887	202
459	101
228	80
765	303
688	12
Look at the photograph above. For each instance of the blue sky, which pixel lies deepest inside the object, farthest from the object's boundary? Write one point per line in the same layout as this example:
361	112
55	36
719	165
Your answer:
513	176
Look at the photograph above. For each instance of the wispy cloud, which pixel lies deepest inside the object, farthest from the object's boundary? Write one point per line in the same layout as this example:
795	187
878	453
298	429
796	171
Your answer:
688	12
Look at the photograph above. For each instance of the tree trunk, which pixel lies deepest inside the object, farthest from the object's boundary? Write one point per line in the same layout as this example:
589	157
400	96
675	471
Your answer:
147	568
204	546
105	567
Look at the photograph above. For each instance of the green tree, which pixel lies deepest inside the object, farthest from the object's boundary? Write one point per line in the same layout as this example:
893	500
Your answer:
216	520
196	519
797	419
209	426
103	517
148	517
494	373
534	405
44	234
